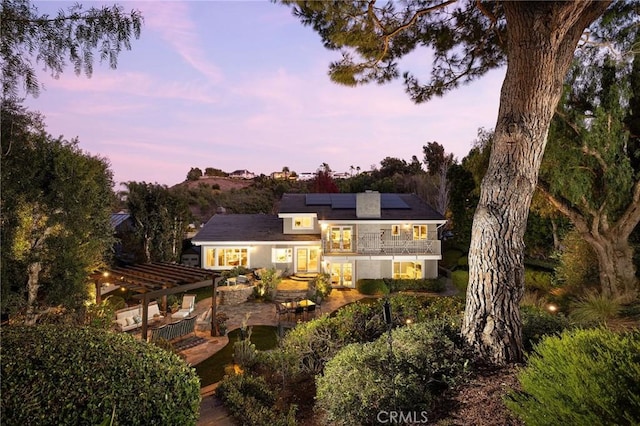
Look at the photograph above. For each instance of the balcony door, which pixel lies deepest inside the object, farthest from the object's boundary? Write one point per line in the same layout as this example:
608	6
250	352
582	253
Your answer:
340	238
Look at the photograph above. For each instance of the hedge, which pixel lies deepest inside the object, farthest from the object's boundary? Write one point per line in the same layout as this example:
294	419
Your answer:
583	377
53	375
372	286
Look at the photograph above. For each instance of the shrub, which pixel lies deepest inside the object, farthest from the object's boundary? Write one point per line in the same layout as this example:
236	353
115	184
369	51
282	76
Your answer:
439	307
460	280
450	258
371	286
538	280
595	308
250	401
583	377
322	286
421	284
537	323
364	379
68	375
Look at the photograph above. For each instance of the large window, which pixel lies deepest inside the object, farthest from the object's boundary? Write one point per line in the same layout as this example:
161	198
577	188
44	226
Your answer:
303	222
407	270
282	255
227	257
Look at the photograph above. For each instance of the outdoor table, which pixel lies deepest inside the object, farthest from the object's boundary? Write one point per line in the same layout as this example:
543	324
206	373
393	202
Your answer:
292	305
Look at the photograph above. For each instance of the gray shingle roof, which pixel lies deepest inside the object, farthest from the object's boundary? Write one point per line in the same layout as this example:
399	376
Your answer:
246	227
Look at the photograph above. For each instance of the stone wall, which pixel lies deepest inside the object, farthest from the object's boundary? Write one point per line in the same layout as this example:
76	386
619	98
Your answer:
234	294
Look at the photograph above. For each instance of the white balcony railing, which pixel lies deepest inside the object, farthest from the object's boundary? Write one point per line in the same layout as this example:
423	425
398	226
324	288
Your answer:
380	243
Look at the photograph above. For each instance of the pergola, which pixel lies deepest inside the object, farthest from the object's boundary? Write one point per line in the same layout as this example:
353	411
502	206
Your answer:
153	280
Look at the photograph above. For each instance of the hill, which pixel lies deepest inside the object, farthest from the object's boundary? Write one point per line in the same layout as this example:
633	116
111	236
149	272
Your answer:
224	183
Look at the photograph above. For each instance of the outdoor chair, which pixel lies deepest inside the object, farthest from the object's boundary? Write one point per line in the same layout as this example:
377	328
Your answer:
281	311
310	310
188	306
298	310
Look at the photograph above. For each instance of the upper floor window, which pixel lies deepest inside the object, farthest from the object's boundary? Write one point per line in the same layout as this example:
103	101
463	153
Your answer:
420	232
303	222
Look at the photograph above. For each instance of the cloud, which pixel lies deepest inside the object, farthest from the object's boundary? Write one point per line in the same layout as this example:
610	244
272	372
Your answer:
171	21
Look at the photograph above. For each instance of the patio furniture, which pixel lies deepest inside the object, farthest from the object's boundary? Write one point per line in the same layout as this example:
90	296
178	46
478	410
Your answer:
175	330
130	318
188	306
310	310
297	307
281	311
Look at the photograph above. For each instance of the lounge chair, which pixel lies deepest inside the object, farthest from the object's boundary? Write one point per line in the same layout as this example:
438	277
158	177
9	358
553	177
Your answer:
188	306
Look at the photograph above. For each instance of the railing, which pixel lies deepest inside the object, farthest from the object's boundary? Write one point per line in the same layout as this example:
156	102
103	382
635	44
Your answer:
381	243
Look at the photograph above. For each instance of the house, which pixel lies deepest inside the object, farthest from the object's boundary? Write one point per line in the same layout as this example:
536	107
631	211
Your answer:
123	230
191	256
349	236
242	174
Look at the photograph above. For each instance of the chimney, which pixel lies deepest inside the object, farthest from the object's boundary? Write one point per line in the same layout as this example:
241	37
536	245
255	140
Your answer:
368	204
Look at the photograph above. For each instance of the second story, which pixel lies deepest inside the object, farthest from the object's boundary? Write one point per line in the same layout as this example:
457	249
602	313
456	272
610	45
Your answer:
368	223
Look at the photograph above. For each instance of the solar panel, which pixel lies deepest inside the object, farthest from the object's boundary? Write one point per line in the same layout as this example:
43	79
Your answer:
392	201
343	201
318	199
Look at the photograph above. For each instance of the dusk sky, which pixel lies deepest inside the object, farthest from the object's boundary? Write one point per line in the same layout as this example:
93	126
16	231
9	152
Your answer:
244	85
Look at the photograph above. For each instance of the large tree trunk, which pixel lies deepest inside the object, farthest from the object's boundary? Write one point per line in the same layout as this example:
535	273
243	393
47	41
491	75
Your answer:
615	264
542	37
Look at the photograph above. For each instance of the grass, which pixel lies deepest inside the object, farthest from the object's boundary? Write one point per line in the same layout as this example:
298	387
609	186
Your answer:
211	370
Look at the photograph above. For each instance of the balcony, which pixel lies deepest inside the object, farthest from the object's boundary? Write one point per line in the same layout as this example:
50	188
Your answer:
375	243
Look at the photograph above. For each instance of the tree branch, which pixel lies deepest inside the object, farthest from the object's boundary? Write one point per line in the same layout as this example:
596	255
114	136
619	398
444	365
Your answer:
631	216
564	206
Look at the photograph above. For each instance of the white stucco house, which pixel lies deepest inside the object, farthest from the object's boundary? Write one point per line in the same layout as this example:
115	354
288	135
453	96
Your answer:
349	236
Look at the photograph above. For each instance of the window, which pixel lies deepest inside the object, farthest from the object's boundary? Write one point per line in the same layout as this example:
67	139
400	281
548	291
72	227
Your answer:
407	270
303	222
281	255
420	232
227	257
233	257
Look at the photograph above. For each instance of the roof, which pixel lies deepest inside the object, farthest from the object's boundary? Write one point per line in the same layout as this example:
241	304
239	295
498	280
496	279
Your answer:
247	227
393	206
117	219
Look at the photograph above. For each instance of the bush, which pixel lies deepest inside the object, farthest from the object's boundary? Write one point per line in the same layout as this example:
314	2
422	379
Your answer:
421	284
250	401
538	322
583	377
460	280
595	308
538	280
450	258
68	375
371	286
364	379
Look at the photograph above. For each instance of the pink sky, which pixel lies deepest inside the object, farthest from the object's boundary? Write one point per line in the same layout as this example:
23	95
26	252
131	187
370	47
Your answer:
243	85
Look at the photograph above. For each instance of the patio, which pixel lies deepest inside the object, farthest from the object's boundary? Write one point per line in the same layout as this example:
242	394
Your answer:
253	313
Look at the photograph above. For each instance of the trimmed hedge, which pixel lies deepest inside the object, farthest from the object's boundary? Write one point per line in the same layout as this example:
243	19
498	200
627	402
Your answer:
53	375
423	284
583	377
372	286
